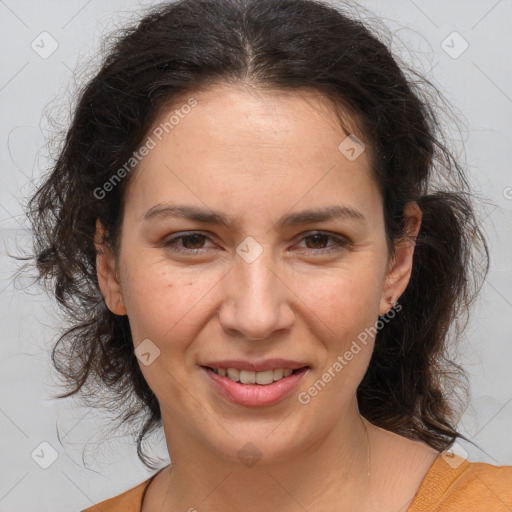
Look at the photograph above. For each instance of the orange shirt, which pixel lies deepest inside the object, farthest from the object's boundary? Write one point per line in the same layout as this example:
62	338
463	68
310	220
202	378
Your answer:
452	484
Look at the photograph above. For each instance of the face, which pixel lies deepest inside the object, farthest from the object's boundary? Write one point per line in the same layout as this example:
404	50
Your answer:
269	283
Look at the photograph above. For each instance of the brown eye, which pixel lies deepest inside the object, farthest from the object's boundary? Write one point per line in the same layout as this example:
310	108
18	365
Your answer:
318	242
191	242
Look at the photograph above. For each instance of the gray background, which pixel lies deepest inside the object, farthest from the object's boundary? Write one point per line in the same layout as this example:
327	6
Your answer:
477	83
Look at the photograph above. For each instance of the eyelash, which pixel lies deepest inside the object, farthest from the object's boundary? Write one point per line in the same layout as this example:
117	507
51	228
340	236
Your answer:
341	243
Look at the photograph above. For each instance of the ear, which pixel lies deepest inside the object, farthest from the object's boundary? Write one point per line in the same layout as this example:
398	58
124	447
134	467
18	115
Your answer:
400	269
107	274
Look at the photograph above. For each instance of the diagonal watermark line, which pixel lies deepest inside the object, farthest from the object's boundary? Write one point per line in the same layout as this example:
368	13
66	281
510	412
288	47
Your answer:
195	400
306	193
286	490
217	486
69	431
502	296
467	434
14	76
3	3
6	286
13	422
488	455
13	217
492	491
489	214
492	81
187	187
485	15
424	14
328	328
487	423
81	490
14	485
72	72
204	295
407	504
75	15
278	425
172	376
432	68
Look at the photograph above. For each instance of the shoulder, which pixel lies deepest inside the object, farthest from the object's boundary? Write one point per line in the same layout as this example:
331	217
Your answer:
128	501
455	484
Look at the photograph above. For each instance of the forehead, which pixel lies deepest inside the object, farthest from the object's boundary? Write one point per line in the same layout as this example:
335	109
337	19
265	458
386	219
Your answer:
248	116
260	145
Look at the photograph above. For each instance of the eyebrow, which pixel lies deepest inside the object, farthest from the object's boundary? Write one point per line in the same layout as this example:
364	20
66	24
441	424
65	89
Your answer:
194	213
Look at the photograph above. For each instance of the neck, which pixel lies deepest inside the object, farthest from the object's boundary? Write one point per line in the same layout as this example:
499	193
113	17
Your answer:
331	470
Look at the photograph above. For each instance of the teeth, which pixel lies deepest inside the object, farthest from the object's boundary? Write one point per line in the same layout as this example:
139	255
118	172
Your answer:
278	373
233	374
250	377
247	377
265	377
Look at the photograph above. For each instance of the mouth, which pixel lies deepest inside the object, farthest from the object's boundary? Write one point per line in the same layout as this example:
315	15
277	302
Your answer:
263	378
254	389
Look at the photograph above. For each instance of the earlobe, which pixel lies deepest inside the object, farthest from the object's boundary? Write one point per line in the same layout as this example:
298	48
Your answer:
400	270
107	275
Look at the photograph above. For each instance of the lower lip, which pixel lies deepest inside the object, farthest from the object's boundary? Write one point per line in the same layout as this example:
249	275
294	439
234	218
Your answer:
255	395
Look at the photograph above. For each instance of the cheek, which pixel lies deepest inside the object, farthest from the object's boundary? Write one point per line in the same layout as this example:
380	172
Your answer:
167	308
345	304
163	303
143	301
345	298
345	309
160	299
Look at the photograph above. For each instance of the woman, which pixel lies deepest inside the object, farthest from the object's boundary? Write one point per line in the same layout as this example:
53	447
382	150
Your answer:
246	222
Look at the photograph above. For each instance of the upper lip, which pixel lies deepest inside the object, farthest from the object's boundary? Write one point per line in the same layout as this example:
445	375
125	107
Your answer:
260	366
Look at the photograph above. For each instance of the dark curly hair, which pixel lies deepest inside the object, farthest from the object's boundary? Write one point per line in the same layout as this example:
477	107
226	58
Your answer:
183	47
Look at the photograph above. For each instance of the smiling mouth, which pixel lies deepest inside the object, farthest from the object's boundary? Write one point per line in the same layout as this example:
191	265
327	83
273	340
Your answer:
250	377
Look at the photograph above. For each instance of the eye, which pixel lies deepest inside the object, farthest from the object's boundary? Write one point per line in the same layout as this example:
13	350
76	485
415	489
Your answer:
190	242
318	241
193	243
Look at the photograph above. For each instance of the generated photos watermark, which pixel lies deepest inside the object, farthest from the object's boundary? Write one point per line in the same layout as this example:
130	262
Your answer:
305	397
149	144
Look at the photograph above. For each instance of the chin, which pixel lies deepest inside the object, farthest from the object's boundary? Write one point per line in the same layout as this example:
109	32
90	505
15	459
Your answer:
256	443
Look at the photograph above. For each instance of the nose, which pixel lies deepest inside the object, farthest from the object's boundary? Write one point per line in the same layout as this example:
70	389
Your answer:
256	302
